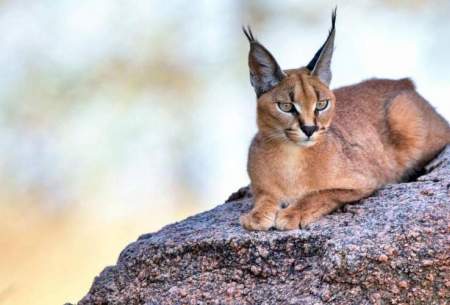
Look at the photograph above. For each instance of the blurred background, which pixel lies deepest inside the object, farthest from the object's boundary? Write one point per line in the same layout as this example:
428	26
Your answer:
118	117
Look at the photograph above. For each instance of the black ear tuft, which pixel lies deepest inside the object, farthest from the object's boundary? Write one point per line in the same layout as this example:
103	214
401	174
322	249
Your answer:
248	33
265	73
321	62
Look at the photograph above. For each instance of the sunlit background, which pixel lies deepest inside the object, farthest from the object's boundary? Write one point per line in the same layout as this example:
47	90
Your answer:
118	117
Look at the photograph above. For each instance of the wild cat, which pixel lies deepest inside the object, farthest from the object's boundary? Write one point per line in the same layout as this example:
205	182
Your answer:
317	149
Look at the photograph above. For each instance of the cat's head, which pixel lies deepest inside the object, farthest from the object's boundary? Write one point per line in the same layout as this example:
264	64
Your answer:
294	106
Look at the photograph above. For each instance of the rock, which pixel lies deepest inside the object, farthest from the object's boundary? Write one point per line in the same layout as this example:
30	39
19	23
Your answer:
391	248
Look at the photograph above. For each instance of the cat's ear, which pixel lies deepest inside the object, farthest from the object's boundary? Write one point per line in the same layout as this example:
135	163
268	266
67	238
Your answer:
320	64
265	73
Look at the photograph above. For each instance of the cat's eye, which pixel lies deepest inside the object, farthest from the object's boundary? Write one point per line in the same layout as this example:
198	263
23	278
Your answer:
286	107
322	105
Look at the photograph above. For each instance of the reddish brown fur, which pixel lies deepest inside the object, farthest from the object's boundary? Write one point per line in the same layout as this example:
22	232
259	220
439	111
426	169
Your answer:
376	132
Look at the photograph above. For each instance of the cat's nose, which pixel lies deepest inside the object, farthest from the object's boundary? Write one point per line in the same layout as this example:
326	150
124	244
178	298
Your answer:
308	129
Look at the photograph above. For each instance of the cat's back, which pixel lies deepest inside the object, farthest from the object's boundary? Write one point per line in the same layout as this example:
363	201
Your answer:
388	120
366	101
370	105
377	86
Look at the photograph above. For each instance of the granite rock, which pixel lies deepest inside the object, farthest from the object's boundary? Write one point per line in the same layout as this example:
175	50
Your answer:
391	248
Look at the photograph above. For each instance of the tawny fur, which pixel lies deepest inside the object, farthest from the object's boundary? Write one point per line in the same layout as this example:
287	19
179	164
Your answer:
376	132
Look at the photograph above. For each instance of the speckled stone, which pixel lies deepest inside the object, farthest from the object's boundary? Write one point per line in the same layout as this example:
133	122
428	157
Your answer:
391	248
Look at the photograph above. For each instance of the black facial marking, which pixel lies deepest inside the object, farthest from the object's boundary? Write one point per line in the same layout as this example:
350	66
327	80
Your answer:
294	110
291	96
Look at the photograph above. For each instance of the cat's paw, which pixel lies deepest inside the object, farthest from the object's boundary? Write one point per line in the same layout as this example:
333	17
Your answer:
287	219
308	219
258	220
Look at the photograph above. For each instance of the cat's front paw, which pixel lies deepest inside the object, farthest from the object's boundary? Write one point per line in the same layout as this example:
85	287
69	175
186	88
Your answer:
258	220
308	219
287	219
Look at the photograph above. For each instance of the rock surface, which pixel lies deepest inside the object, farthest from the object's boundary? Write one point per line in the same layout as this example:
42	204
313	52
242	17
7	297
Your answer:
391	248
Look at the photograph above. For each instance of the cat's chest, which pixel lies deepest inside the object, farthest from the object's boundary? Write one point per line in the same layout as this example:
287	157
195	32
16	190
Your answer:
290	169
296	174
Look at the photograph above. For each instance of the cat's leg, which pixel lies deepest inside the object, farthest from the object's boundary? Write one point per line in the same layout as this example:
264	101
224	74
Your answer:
416	132
262	216
315	205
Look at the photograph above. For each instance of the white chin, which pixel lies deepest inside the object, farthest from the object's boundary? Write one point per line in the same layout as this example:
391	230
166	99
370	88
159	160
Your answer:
306	143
